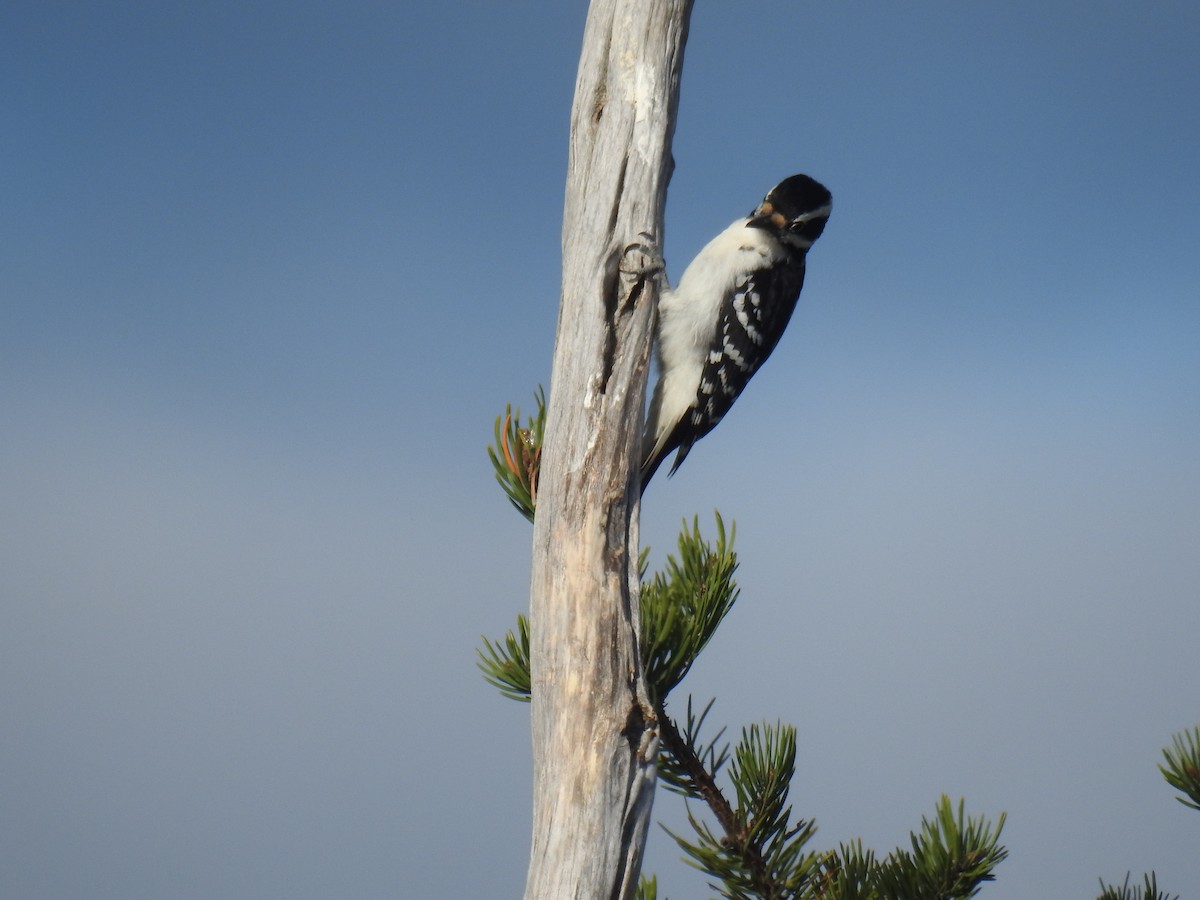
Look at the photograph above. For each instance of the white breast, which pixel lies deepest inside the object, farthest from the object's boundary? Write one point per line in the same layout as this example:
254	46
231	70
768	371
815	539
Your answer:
688	316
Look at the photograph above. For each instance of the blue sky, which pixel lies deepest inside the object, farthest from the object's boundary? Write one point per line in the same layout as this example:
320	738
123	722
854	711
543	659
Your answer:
268	273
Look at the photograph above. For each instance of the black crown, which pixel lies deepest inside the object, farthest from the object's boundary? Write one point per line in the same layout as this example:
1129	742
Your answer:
797	195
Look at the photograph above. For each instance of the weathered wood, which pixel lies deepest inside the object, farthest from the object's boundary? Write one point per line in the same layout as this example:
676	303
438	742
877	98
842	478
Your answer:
594	738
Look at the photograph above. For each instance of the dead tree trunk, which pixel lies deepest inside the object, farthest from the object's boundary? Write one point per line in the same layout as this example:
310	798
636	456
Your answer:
594	736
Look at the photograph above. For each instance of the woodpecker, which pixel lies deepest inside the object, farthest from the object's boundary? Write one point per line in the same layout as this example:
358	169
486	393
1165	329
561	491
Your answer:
723	319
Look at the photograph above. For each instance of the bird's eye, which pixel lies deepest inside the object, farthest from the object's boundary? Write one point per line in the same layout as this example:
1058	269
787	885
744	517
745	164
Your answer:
809	229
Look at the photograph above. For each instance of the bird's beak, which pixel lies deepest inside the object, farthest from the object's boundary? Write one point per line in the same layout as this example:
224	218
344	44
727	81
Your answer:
767	218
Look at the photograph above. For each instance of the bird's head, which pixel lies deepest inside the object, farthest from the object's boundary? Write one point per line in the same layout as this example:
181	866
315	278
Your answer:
796	209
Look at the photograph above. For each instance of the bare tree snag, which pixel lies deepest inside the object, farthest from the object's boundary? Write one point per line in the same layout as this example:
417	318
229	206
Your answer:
594	735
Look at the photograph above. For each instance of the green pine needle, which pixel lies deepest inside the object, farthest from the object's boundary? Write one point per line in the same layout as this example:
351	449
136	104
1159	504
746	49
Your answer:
951	857
683	605
506	666
762	852
648	888
517	454
1182	770
680	612
1148	890
677	776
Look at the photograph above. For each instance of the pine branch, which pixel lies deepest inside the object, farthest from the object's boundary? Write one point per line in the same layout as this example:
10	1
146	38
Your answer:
683	605
1147	891
517	454
648	888
757	852
507	666
951	857
848	874
692	762
761	852
1182	770
684	766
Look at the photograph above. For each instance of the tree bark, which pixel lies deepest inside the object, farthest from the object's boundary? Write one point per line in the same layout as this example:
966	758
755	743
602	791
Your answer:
595	739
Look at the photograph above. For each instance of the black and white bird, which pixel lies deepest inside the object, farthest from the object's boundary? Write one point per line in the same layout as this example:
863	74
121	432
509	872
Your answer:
720	323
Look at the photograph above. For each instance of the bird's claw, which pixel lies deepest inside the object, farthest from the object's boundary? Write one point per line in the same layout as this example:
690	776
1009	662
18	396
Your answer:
642	259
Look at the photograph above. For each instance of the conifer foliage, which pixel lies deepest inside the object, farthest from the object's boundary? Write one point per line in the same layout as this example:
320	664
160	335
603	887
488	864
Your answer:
744	834
747	839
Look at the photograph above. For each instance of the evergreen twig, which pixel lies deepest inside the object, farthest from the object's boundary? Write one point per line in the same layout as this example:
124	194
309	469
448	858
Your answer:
517	454
1148	890
757	851
1182	770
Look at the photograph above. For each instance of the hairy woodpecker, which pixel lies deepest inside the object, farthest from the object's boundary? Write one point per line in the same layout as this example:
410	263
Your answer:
723	319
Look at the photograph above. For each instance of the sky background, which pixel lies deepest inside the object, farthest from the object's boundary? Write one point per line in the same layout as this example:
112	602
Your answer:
269	271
